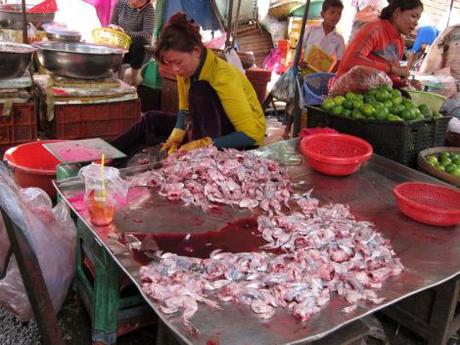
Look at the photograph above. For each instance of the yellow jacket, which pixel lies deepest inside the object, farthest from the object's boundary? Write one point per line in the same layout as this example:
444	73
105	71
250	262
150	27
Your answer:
235	92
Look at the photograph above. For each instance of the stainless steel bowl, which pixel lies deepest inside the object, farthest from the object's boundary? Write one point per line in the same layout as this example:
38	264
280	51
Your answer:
53	36
11	17
15	59
78	60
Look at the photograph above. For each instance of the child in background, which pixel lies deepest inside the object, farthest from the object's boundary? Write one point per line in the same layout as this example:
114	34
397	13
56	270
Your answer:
325	37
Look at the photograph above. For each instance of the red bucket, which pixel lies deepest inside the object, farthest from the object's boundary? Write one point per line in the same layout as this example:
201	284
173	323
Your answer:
33	165
428	203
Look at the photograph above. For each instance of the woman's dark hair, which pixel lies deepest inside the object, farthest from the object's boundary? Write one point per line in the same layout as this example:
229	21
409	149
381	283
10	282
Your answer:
327	4
403	5
179	34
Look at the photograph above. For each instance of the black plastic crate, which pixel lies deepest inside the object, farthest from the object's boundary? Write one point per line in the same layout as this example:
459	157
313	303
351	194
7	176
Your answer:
399	141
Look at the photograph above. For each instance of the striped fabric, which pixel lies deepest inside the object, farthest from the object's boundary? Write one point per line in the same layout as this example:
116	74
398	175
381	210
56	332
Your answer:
135	22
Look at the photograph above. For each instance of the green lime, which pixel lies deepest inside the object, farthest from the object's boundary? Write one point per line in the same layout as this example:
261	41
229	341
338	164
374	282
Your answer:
425	110
419	117
372	92
357	114
357	103
450	167
367	110
369	99
387	88
394	118
346	112
407	103
388	103
456	161
348	104
441	167
397	109
381	113
454	156
445	161
432	159
382	95
444	155
456	172
397	100
350	96
359	96
396	93
337	110
328	104
339	100
407	114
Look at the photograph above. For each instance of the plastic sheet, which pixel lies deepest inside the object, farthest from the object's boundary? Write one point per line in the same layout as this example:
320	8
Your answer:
359	79
276	28
50	232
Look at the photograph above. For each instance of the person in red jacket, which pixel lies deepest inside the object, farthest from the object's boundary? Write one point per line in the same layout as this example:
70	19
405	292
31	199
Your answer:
380	44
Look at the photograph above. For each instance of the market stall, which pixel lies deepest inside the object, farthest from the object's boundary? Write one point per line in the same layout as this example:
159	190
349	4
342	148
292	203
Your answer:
72	90
368	192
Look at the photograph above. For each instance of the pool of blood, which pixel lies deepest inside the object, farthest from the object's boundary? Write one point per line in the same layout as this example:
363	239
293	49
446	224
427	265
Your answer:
235	237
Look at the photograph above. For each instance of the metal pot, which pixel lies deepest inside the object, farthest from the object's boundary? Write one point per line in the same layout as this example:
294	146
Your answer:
11	17
15	59
78	60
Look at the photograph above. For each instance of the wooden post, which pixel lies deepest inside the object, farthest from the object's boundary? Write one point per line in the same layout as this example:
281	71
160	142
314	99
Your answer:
24	22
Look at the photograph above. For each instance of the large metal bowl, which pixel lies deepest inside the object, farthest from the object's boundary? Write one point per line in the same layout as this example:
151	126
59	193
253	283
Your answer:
15	59
11	17
78	60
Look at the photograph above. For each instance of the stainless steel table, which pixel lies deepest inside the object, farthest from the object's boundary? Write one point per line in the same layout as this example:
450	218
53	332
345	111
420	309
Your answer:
430	254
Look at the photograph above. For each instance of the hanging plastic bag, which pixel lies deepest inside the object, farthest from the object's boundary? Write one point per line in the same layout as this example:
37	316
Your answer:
359	79
273	60
284	88
31	210
231	56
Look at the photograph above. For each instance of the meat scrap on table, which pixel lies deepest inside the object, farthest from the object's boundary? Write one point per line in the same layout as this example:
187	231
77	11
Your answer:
325	250
230	177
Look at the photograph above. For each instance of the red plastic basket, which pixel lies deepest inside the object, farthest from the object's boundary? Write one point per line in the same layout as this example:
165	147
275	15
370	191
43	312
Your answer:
335	154
47	6
429	203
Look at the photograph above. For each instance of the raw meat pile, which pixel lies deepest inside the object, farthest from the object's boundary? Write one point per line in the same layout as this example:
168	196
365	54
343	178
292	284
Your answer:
209	176
326	252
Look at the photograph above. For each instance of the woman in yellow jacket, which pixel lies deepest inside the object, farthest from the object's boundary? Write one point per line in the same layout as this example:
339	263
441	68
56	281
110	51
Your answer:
217	103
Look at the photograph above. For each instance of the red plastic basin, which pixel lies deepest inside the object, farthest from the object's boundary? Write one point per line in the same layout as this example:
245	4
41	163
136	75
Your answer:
33	165
335	154
428	203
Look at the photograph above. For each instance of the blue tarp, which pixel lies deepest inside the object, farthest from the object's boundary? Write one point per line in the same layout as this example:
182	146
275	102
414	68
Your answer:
200	10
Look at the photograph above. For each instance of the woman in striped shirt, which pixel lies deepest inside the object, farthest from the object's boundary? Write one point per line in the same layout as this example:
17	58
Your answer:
136	18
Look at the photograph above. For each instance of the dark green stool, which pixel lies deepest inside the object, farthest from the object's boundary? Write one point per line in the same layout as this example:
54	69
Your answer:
114	303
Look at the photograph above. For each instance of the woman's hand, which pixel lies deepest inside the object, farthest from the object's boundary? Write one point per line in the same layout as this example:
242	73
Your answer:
402	72
116	27
196	144
416	84
176	138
